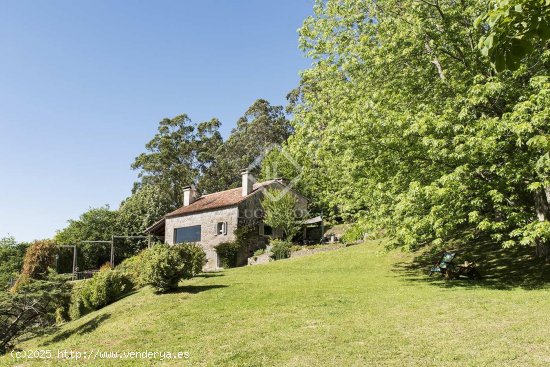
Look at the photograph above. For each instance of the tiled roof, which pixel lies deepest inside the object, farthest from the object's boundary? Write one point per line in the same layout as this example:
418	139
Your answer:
219	200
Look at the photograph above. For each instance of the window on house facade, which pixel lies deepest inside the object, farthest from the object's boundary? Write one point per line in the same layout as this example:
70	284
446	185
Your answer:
221	228
265	230
187	234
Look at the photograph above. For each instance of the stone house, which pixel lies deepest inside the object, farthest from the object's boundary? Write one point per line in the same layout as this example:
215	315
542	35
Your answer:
213	218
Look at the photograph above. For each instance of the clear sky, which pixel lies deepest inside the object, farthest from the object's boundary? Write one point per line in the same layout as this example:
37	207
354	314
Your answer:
83	85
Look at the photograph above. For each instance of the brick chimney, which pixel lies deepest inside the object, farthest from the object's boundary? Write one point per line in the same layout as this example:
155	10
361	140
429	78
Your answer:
248	182
189	195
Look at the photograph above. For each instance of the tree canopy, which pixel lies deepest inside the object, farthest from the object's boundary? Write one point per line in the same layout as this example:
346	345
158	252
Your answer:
11	260
96	224
402	123
517	27
262	127
178	155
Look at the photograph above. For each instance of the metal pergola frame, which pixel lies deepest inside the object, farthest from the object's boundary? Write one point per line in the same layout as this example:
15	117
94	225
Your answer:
112	242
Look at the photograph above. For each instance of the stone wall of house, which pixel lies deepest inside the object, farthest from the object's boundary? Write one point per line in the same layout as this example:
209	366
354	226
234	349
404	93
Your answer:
208	221
249	212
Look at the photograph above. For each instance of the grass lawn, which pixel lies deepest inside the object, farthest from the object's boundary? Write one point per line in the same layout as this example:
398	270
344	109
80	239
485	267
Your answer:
357	306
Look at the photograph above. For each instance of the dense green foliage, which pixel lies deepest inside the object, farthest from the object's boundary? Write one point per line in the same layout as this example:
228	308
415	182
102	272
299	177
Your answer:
166	265
190	259
105	287
134	268
32	308
182	153
517	27
353	233
177	155
143	208
403	124
11	260
96	224
228	253
280	249
262	127
280	210
193	256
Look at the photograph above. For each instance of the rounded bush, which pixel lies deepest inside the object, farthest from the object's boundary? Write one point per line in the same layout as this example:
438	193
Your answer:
164	268
193	256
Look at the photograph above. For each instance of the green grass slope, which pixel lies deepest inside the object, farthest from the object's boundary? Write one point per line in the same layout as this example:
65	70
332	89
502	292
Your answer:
350	307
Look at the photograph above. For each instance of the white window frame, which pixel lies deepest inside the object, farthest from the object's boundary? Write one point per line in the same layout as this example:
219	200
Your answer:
221	230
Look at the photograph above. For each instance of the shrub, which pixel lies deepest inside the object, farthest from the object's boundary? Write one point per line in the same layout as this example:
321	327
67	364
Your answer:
280	249
38	258
354	233
228	253
164	268
135	268
259	252
105	287
77	308
193	256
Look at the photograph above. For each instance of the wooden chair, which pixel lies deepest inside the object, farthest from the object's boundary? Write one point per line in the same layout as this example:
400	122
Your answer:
468	269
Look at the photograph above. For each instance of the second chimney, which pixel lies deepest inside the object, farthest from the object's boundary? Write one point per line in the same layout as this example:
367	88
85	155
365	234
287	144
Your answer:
248	182
189	193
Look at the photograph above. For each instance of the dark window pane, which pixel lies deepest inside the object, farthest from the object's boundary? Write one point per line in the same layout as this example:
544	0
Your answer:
188	234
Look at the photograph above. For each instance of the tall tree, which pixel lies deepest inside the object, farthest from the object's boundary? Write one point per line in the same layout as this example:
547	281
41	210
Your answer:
31	309
403	123
281	212
96	224
178	155
143	208
260	128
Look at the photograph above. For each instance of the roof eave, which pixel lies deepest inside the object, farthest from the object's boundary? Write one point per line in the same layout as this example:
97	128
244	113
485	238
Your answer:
169	216
155	225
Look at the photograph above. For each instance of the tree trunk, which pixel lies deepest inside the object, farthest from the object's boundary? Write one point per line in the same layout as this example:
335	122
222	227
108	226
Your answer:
542	207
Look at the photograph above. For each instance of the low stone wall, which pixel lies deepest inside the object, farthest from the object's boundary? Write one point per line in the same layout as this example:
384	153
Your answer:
307	251
260	259
265	257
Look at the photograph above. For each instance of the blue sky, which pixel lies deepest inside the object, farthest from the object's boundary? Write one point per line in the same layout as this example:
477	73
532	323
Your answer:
83	85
